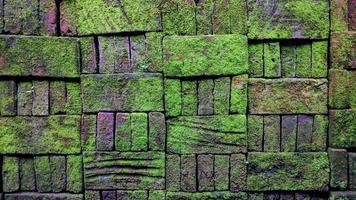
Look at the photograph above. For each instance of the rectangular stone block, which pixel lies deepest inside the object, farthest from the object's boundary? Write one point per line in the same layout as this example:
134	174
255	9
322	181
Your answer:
172	97
320	133
40	102
287	96
352	170
105	131
339	15
288	133
173	177
99	17
126	194
342	128
223	195
123	135
74	100
352	15
58	173
288	19
109	195
222	96
207	134
238	99
27	174
205	171
57	96
303	60
137	170
342	50
288	60
272	62
43	174
210	55
338	168
138	53
139	131
7	98
92	194
24	98
122	92
10	174
74	173
348	195
206	97
40	135
255	133
50	196
221	172
271	133
341	89
319	59
189	97
305	129
39	56
89	57
238	172
188	173
157	131
88	132
255	59
288	171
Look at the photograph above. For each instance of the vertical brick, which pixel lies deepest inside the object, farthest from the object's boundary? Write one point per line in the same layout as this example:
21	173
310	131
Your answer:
286	196
27	174
10	174
57	97
255	133
238	99
188	173
58	173
74	101
319	59
1	14
220	17
172	97
320	131
255	59
88	132
74	173
139	132
272	196
272	132
222	96
204	14
156	195
288	60
272	64
173	172
303	62
205	97
238	16
138	49
88	55
43	173
47	14
24	98
105	131
7	98
338	168
108	195
304	133
157	131
352	15
123	132
340	89
302	196
338	15
352	170
221	172
92	195
154	51
189	98
238	172
289	133
40	98
21	17
205	172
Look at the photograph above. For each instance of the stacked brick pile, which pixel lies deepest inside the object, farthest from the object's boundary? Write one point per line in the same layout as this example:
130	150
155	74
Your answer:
178	99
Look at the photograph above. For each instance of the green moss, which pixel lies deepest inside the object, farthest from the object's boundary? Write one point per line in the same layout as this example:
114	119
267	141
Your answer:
303	61
206	195
154	57
319	59
342	49
221	95
156	195
43	174
10	174
272	62
255	60
338	19
139	131
238	99
255	133
74	101
173	97
74	173
7	98
342	128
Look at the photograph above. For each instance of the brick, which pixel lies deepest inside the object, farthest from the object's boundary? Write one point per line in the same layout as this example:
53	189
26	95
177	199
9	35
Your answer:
207	134
341	87
272	133
238	172
92	194
57	96
34	195
7	98
287	96
288	60
286	196
303	60
338	169
129	93
238	99
27	174
157	131
146	169
99	17
24	98
105	131
138	53
221	172
255	133
255	59
304	134
156	195
342	128
123	136
348	195
319	59
206	97
272	196
74	101
43	174
109	195
352	170
173	176
352	15
223	195
88	132
288	133
39	56
255	196
285	20
138	194
188	173
154	57
139	131
288	171
205	172
58	173
173	97
222	96
10	174
40	102
272	62
319	135
74	173
302	196
40	135
227	55
189	97
47	13
88	55
342	48
338	15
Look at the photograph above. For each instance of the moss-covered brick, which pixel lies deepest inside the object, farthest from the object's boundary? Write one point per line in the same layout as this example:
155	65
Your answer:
138	53
338	169
222	95
238	172
156	195
352	170
40	135
154	54
205	55
123	137
137	194
305	19
288	133
43	174
173	172
139	131
205	172
35	195
146	169
238	99
122	92
223	195
256	196
88	54
10	174
24	98
303	60
27	174
57	96
39	56
40	102
48	16
105	131
74	173
344	195
73	104
342	89
204	17
88	132
342	50
342	128
287	96
288	171
320	130
207	134
173	97
7	98
111	194
255	133
92	194
58	173
188	173
338	15
99	16
352	15
255	59
157	131
319	59
189	97
178	17
304	135
272	60
206	97
271	133
221	172
288	60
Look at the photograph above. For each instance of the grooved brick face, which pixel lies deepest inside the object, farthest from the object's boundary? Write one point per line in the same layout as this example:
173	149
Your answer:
177	99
